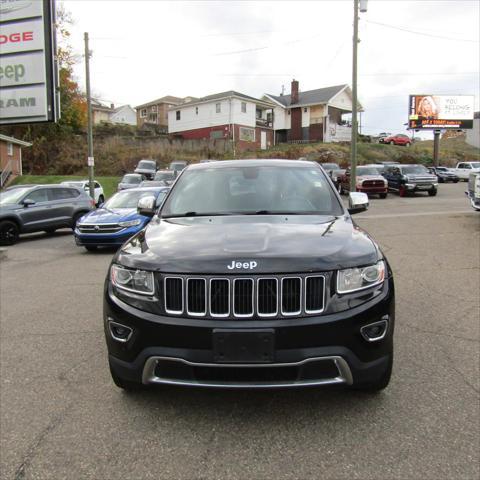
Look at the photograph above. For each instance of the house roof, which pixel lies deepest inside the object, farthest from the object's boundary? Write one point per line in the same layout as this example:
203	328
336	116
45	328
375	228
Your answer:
166	99
311	97
222	95
5	138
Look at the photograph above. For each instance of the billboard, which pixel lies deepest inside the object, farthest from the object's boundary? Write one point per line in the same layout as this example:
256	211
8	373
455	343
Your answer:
440	111
28	71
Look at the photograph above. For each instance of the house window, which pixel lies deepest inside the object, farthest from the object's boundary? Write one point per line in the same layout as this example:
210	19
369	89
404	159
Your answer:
244	107
143	113
153	108
247	134
305	109
288	112
196	110
177	114
218	107
10	149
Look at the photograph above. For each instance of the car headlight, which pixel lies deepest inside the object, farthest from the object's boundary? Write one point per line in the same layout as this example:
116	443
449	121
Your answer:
353	279
130	223
137	281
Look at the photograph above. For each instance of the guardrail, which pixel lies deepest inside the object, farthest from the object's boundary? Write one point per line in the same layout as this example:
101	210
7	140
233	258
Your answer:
6	172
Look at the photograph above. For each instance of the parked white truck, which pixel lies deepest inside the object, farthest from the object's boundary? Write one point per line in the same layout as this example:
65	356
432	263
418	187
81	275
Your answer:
473	192
464	169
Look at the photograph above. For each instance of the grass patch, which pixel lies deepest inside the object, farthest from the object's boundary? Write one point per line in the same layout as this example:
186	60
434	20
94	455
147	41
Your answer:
109	184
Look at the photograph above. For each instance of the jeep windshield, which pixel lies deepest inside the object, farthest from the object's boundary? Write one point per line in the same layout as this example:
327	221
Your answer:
415	170
260	190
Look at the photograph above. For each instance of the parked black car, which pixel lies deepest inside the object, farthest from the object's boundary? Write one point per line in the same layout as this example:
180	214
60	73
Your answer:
443	174
252	275
406	179
146	168
26	209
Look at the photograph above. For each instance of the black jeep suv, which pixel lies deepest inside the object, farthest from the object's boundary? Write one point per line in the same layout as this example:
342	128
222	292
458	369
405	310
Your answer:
252	275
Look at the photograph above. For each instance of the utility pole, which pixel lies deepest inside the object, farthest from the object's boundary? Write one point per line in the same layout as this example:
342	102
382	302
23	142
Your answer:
90	161
362	7
436	146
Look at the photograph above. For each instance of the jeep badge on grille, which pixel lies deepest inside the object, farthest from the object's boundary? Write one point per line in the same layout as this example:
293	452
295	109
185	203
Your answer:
246	265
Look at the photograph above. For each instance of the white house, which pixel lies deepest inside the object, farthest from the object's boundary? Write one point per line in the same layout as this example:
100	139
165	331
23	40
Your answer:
245	120
315	115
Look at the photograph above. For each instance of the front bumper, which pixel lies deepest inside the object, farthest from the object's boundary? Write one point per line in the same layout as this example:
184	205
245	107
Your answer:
424	187
317	350
373	190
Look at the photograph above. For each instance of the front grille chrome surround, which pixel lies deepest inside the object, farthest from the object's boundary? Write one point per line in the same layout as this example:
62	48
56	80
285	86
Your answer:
245	297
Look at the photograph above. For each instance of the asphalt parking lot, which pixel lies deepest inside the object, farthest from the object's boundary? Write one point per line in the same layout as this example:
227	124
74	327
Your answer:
62	417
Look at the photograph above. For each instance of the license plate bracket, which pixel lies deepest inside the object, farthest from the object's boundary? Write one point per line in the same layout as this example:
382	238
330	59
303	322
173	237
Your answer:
243	346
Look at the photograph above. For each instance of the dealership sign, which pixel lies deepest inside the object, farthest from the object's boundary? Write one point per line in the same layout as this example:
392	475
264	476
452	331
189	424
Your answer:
440	111
28	69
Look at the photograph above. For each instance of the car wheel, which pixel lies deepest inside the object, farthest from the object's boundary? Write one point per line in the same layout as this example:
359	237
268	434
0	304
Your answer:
91	248
101	199
441	180
402	191
9	232
76	218
383	195
432	192
126	385
455	181
379	384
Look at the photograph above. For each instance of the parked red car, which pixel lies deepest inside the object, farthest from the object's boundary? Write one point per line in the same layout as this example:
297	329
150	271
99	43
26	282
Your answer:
369	181
399	139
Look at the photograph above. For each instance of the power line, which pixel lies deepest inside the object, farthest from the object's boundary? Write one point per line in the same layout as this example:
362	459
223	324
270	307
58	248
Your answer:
416	32
418	73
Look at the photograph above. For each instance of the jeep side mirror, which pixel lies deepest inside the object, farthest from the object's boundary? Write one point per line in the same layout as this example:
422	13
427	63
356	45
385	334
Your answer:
28	202
357	202
146	206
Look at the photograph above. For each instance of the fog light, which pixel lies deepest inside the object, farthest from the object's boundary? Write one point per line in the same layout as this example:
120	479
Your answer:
375	331
119	332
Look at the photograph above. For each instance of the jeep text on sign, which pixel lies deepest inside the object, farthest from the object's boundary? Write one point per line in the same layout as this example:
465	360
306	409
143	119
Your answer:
22	69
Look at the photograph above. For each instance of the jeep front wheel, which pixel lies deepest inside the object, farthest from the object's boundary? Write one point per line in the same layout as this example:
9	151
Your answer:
9	232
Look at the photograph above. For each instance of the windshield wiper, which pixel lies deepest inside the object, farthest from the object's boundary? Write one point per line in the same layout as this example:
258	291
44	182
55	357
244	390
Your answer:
197	214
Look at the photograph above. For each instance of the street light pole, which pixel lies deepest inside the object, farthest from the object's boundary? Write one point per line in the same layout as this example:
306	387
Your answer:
353	150
358	5
90	161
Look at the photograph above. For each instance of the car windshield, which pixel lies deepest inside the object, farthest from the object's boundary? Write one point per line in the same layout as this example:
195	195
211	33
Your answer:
415	169
367	171
129	198
330	166
252	190
164	176
10	197
475	164
131	179
148	164
442	169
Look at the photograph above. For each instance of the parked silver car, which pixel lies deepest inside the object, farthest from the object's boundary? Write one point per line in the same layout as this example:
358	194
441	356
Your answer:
130	180
35	208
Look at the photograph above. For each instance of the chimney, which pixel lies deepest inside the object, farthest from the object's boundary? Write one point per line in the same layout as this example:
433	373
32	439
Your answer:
112	106
294	92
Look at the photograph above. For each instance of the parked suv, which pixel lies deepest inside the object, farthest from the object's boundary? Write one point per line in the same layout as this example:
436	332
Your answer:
146	168
85	185
399	139
406	179
26	209
251	275
443	174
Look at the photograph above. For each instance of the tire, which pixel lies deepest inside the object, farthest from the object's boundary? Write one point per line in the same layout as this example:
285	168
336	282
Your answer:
76	217
126	385
9	232
455	181
402	191
432	192
101	200
381	383
441	180
91	248
383	195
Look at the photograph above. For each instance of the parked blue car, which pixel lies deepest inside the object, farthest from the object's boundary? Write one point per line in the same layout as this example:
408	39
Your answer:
116	220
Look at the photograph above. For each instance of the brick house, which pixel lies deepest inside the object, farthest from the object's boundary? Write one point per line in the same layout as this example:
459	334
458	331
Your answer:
155	113
10	158
319	115
245	120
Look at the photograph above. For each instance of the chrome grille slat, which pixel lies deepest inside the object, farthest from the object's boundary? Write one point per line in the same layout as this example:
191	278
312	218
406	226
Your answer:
100	228
245	297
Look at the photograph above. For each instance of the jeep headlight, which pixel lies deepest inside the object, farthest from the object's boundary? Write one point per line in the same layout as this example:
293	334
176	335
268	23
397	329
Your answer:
130	223
353	279
136	281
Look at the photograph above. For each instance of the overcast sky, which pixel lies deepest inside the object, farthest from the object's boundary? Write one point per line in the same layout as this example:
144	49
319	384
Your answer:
143	50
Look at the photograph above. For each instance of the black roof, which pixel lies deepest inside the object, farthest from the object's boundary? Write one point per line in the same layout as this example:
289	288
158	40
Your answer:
311	97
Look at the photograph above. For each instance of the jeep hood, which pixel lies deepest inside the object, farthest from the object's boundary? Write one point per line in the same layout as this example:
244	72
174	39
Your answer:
277	243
